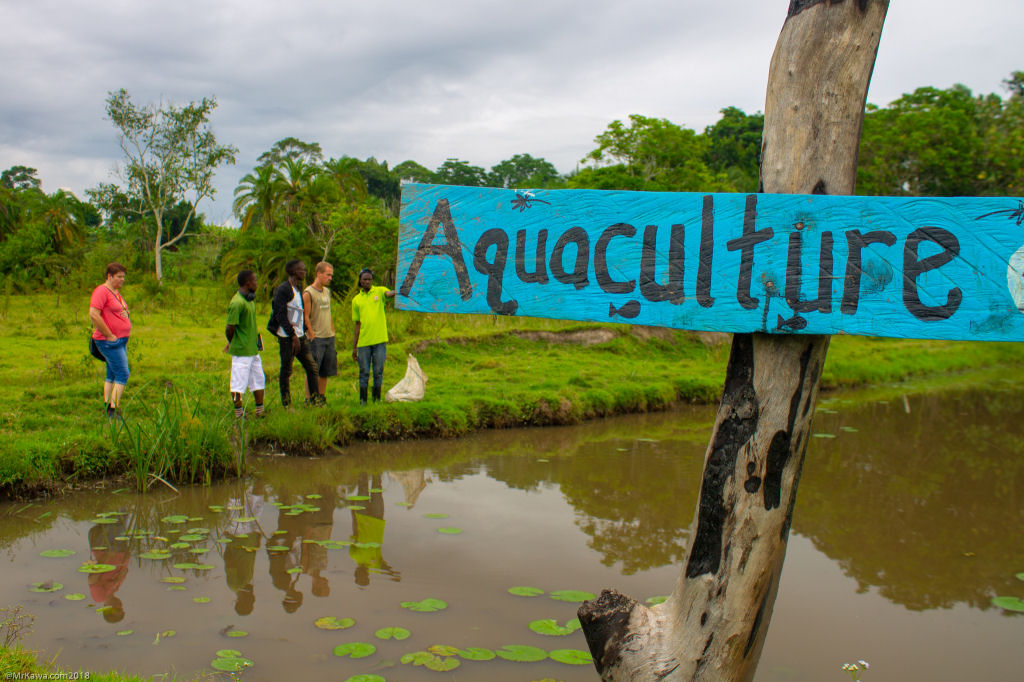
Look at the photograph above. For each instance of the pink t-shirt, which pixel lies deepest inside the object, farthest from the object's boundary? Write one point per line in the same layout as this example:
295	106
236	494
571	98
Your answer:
114	311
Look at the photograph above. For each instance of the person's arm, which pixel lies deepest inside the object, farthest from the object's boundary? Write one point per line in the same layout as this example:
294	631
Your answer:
96	317
355	343
390	293
229	332
282	295
307	303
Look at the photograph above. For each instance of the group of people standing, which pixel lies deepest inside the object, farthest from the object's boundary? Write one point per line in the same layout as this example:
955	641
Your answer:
300	318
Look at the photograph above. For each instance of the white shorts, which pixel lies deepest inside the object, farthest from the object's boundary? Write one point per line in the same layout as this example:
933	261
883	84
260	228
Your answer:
247	373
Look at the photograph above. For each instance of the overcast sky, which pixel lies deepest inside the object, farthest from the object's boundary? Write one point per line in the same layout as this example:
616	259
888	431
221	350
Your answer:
471	79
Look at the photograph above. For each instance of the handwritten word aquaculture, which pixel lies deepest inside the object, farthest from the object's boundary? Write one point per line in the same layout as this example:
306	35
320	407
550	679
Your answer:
944	268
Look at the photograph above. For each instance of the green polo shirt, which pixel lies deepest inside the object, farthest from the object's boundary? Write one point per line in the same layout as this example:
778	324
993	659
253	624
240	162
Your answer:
242	315
368	311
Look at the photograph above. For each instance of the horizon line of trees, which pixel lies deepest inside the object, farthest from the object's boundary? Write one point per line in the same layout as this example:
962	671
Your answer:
296	203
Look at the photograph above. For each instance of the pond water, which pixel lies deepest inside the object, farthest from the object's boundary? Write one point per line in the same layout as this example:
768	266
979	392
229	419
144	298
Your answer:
908	522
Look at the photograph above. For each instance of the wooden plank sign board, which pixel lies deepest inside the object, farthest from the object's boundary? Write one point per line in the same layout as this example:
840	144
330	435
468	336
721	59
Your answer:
936	268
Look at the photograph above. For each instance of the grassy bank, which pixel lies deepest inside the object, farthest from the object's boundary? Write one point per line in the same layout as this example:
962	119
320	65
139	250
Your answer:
483	373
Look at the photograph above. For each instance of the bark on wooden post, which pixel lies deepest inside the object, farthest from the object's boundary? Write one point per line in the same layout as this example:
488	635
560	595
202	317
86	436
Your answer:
714	625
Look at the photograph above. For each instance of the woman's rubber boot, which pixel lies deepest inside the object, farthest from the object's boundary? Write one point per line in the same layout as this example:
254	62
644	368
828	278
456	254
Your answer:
376	393
362	395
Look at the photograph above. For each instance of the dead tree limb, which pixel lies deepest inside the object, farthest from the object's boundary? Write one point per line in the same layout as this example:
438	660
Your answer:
714	625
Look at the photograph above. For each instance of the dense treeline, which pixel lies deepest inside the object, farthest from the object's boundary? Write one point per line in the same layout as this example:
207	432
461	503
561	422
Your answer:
296	203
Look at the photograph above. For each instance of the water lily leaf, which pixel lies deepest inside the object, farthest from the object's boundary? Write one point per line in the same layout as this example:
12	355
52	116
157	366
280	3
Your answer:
229	653
428	605
314	496
334	544
191	537
358	498
474	653
177	588
74	596
442	664
521	653
824	435
1009	603
355	650
571	656
238	633
172	579
522	591
201	600
176	518
366	545
245	519
156	554
57	553
571	595
443	650
543	459
334	623
365	677
356	507
124	633
223	541
294	570
198	550
278	548
660	599
396	633
168	633
104	520
435	515
92	567
198	530
449	530
549	626
216	508
1020	576
849	429
417	657
185	565
230	665
403	504
203	567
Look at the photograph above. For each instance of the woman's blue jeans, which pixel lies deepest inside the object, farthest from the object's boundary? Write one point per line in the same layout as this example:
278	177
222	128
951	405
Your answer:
116	353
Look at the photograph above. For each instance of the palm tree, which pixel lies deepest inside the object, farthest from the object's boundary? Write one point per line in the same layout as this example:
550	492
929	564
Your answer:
258	196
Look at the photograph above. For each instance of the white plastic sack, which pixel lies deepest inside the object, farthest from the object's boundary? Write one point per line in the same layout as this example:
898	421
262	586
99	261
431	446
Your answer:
412	387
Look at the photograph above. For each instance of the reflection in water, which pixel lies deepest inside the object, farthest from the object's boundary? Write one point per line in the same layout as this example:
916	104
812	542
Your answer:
907	511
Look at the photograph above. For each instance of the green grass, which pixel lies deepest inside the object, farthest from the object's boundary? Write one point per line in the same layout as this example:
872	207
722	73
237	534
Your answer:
483	372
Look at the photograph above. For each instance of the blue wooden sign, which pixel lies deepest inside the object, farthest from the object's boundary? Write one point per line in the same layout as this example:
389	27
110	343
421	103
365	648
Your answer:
937	268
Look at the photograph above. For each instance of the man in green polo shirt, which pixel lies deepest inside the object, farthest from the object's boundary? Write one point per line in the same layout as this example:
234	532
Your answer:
369	348
244	344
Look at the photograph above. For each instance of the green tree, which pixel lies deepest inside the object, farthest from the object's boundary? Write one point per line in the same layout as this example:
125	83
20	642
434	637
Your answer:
414	172
291	148
523	170
170	155
258	197
456	172
734	147
19	177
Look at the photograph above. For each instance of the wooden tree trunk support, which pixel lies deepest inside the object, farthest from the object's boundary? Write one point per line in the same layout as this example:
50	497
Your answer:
714	624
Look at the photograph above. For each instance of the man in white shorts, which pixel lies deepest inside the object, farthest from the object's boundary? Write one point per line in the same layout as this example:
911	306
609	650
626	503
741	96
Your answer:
244	345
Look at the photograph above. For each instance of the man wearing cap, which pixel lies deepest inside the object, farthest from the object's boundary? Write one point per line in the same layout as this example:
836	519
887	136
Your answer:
369	347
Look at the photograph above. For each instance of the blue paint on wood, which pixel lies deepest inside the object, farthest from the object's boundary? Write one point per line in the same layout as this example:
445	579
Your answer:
939	268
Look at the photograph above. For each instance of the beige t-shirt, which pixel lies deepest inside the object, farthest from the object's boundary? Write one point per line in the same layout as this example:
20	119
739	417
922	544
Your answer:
320	312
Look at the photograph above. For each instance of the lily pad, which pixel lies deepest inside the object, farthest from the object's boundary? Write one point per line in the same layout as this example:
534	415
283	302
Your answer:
441	664
474	653
155	554
355	650
521	653
334	623
237	633
124	633
198	550
1019	576
90	567
74	596
334	544
358	498
172	579
191	537
523	591
230	665
449	530
245	519
365	677
549	626
356	507
824	435
428	605
176	518
571	656
104	520
1009	603
571	595
443	649
392	633
56	553
435	515
314	496
417	657
660	599
201	600
229	653
294	569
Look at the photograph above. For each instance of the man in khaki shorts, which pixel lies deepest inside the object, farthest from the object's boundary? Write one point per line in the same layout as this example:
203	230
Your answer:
316	303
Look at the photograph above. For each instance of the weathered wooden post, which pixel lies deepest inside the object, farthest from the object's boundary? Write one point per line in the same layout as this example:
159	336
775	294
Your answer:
714	625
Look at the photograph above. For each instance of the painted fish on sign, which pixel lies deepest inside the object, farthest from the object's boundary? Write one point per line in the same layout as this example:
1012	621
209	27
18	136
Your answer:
939	268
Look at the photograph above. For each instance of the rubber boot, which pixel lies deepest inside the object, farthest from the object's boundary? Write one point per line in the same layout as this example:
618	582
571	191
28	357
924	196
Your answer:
362	395
376	393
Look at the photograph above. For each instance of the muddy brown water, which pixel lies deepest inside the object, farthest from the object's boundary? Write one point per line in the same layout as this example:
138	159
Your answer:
908	522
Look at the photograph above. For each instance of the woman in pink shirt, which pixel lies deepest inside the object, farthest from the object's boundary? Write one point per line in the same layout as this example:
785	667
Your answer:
108	313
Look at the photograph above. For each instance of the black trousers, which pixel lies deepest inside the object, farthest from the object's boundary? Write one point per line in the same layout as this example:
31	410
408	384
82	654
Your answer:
305	358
